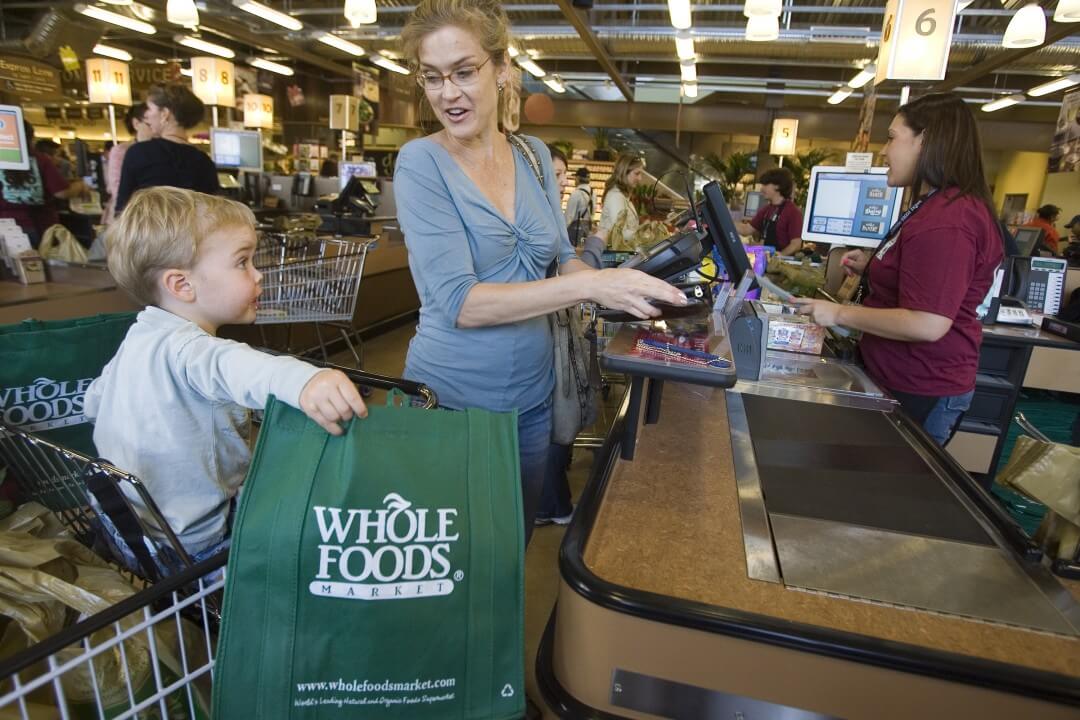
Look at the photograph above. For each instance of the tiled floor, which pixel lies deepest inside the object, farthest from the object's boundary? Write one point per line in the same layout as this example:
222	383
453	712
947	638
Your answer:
386	355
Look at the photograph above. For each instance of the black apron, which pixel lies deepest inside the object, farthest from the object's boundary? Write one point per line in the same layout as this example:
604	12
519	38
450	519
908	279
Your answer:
768	225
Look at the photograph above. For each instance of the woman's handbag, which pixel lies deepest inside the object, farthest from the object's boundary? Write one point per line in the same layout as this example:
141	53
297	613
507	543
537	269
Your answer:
577	369
59	244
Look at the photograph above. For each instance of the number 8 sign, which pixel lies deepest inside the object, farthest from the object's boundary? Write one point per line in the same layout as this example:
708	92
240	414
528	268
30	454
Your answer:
915	40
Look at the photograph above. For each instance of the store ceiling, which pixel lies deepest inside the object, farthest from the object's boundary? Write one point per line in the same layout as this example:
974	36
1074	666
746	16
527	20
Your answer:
822	44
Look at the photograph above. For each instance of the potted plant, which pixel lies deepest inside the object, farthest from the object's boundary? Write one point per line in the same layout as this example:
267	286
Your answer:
566	146
729	172
601	145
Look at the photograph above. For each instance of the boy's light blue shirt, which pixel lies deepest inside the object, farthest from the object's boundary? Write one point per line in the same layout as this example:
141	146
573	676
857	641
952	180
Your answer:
456	238
169	408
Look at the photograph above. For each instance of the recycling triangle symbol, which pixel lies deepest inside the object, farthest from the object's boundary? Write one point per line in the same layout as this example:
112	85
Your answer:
507	691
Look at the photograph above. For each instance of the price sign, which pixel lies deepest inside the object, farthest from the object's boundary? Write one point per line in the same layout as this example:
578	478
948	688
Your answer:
213	81
785	131
915	40
344	112
258	111
107	82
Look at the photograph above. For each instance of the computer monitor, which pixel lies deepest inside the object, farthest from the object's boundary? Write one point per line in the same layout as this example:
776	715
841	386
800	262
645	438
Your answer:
849	208
361	169
724	236
14	154
754	199
1027	239
239	149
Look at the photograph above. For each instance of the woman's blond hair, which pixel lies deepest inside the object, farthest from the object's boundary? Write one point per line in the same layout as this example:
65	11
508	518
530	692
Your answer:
485	20
162	228
620	175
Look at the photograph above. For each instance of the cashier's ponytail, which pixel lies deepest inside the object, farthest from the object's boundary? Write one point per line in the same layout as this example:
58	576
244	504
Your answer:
951	155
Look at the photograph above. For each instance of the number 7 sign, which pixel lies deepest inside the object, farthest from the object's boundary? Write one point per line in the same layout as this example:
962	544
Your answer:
915	40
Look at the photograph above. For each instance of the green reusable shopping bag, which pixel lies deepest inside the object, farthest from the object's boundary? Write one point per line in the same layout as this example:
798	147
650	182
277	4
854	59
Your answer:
378	574
45	368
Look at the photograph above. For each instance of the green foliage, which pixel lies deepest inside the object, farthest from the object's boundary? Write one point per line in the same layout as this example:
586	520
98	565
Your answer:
601	139
800	167
566	146
729	172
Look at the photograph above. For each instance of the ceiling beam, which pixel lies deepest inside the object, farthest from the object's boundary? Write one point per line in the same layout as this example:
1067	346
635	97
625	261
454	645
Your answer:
577	19
1056	31
244	35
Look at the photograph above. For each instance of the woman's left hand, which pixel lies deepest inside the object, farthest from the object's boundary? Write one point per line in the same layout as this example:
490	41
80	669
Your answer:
822	312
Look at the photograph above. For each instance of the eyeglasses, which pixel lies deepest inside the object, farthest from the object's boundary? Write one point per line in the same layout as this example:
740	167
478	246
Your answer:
462	77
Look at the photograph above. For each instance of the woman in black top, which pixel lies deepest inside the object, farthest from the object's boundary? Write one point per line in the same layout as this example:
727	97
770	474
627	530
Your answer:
168	159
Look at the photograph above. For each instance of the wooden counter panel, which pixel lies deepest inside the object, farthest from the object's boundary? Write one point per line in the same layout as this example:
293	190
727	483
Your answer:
669	524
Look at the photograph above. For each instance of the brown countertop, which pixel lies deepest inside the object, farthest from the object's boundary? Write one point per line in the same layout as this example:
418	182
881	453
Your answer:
669	524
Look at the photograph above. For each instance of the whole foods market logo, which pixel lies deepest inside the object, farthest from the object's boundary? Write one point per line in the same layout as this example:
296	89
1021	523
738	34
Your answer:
391	553
44	404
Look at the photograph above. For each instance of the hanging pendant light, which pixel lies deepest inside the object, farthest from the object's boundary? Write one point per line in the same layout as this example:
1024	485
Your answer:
762	7
182	12
762	28
360	12
1026	29
1067	11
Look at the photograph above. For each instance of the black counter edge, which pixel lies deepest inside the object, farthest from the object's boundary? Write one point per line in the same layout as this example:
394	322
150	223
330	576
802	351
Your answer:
759	628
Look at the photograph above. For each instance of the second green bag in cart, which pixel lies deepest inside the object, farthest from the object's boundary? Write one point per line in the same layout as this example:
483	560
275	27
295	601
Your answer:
378	574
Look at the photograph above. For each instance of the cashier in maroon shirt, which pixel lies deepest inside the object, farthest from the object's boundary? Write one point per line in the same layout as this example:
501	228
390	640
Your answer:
778	223
921	335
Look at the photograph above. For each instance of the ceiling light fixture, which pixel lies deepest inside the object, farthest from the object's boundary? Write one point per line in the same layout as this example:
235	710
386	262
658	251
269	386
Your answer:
388	64
108	16
1001	103
840	96
679	10
684	45
690	90
1026	29
1054	85
360	12
771	8
269	13
555	83
962	5
273	67
341	44
865	75
688	71
1067	11
117	2
512	51
186	72
182	12
762	28
531	67
200	44
112	52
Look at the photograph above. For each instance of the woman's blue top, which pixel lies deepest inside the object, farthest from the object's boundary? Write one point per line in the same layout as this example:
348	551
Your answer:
456	238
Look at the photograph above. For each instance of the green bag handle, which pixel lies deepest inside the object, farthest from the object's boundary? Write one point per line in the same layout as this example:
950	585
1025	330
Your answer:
396	397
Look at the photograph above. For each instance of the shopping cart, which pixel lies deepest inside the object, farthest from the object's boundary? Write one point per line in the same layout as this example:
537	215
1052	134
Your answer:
309	278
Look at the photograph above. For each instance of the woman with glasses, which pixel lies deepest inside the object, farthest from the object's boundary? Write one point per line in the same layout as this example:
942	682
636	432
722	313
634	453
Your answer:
482	232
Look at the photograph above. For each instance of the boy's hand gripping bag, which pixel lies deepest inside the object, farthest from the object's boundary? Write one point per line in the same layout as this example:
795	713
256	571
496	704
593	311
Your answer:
378	574
45	368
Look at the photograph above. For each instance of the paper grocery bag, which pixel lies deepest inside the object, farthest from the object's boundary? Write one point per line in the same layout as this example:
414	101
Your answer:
378	574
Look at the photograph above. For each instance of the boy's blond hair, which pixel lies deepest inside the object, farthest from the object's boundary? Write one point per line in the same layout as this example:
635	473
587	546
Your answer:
162	228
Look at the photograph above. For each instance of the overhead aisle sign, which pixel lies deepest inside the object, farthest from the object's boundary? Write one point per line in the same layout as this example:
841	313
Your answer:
915	40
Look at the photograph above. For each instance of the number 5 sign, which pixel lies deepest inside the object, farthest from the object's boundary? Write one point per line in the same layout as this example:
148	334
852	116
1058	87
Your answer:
915	40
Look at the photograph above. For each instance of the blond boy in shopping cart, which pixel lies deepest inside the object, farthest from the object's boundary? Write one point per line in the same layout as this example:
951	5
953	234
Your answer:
172	405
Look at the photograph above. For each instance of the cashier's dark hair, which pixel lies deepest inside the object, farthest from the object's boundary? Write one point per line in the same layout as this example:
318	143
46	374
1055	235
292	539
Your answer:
184	105
781	178
951	155
135	112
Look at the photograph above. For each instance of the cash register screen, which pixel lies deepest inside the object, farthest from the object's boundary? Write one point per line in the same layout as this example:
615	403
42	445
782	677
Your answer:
1027	238
14	154
849	208
237	149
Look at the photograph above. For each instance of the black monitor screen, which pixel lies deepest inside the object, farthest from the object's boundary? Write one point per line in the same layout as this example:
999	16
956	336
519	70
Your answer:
1027	238
754	201
724	236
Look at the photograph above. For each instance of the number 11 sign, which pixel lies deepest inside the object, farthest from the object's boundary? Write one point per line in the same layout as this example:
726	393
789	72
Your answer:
915	40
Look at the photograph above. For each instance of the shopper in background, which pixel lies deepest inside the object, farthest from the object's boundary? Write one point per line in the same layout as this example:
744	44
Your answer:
579	208
921	334
28	196
141	131
168	158
171	407
329	166
616	204
1045	218
558	162
482	233
778	223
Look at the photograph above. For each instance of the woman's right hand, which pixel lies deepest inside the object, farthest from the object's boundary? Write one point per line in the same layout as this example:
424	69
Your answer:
855	261
627	290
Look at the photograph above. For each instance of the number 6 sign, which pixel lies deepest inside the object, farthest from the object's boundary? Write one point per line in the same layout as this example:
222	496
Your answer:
915	40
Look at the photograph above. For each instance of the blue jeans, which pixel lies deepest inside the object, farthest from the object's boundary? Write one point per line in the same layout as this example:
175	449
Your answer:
943	419
534	445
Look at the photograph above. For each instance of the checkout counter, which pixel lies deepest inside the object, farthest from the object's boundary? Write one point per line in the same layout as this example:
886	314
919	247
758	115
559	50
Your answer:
784	543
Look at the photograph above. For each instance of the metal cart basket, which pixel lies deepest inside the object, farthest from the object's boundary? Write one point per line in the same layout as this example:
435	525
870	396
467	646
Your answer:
311	278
